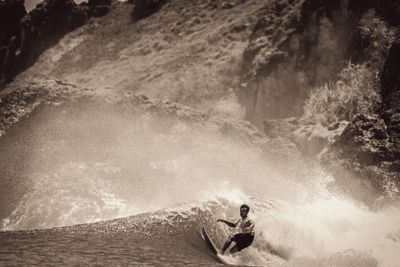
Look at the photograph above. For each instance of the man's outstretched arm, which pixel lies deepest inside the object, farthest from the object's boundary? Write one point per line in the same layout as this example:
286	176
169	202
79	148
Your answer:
230	224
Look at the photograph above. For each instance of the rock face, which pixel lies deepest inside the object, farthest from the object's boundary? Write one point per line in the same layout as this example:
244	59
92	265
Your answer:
11	12
25	36
369	148
300	44
389	10
390	79
390	86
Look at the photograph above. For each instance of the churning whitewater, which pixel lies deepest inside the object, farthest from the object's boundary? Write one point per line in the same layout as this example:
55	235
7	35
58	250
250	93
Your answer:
165	176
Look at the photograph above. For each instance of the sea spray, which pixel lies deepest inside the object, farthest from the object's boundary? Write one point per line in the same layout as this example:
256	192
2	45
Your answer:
93	163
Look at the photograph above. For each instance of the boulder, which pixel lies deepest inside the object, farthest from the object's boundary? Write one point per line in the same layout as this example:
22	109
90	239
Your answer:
99	8
145	8
99	3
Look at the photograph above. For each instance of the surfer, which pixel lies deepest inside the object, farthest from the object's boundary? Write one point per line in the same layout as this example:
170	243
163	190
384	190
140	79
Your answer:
245	237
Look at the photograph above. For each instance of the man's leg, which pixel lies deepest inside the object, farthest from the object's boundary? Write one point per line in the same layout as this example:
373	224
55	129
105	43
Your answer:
234	249
242	241
227	244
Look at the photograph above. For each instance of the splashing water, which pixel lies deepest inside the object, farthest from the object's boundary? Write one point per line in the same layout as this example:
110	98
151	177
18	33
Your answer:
91	163
332	230
96	164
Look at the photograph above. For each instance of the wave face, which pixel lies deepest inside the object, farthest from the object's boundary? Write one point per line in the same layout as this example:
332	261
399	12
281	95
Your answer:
172	237
91	162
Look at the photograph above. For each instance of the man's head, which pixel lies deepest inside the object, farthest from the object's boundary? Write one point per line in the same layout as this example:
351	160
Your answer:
244	210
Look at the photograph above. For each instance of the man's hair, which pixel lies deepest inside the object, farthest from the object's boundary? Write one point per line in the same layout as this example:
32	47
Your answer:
245	206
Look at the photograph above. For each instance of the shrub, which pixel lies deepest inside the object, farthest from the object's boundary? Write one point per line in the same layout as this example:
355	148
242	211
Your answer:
379	36
356	89
353	92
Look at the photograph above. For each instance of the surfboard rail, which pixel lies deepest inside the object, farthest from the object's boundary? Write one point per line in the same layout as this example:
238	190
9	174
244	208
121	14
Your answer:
213	248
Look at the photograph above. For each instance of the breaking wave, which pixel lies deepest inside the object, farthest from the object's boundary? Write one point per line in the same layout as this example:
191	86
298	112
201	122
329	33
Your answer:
90	164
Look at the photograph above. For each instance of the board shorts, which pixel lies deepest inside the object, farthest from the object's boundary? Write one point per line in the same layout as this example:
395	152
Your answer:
243	240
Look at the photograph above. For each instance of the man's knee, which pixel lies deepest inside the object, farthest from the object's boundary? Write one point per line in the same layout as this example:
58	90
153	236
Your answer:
231	238
234	249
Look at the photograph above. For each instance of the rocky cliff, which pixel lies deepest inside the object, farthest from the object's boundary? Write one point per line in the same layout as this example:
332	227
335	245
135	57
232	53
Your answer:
24	36
322	74
369	147
297	45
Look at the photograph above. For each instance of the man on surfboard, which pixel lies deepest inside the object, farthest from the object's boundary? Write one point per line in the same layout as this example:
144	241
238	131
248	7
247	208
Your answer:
245	237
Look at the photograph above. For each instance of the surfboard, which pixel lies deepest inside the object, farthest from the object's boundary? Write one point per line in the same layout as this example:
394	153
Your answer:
224	259
213	248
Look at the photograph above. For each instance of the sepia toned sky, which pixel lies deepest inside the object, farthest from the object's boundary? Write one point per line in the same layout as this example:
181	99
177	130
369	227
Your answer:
30	4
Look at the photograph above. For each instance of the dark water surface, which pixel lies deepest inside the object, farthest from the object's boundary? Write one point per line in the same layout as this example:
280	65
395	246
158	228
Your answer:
56	248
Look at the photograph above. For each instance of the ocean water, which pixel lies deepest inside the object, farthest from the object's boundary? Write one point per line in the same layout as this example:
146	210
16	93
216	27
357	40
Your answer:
88	183
89	245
